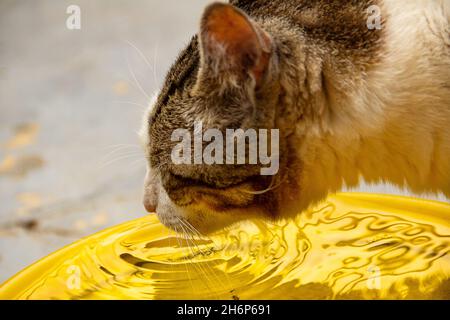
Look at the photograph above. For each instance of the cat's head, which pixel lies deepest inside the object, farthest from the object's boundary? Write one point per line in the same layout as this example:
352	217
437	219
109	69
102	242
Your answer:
227	78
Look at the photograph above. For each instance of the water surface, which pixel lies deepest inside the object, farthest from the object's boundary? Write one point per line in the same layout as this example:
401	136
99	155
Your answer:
351	246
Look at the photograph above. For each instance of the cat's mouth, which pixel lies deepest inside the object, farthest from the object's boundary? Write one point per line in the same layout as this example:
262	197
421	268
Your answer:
186	192
208	209
204	205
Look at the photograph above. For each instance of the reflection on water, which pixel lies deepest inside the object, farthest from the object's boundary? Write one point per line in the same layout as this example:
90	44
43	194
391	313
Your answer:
352	246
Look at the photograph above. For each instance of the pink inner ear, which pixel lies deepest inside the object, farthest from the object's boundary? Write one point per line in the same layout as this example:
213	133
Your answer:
227	27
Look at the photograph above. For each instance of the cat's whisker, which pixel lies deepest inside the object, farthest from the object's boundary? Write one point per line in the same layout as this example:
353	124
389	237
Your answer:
121	145
126	150
269	188
140	53
131	103
147	62
192	252
169	237
119	153
189	242
115	151
137	81
190	227
195	231
118	159
134	163
185	265
196	266
207	263
155	54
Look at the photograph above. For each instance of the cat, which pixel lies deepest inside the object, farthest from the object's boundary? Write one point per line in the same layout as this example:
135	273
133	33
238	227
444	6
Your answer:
351	102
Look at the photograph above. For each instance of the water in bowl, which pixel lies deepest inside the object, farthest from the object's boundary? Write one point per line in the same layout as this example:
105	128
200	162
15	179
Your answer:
353	246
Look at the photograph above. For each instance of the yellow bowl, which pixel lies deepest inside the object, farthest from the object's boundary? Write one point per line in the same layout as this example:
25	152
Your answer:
352	246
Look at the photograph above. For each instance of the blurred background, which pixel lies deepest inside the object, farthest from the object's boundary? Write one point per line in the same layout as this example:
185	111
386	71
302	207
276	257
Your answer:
71	102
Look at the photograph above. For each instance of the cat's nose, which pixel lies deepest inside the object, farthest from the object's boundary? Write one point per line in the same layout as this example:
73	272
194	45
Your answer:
149	205
151	192
150	199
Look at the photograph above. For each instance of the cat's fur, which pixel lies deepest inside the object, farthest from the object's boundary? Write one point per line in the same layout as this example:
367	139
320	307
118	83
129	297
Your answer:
350	103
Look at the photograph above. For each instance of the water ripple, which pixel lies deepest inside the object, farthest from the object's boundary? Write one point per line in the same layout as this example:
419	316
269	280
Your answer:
353	246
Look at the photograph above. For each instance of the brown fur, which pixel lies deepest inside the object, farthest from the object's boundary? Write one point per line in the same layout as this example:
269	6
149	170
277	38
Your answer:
307	67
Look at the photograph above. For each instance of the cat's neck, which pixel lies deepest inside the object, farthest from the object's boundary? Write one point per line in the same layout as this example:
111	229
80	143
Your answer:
318	84
348	125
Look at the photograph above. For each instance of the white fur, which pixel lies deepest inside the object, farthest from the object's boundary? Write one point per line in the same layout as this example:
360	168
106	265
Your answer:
143	132
397	128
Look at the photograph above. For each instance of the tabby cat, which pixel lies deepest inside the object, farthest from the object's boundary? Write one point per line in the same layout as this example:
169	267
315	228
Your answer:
351	101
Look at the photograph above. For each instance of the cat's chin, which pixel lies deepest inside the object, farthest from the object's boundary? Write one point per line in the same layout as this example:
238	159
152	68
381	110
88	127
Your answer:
202	219
192	225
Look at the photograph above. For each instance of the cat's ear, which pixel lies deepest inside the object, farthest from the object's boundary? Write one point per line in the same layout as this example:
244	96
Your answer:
232	42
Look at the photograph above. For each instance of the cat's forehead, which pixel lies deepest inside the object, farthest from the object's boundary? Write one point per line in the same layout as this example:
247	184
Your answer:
181	74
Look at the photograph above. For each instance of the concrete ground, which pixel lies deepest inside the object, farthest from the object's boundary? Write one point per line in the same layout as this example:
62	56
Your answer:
70	162
70	105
